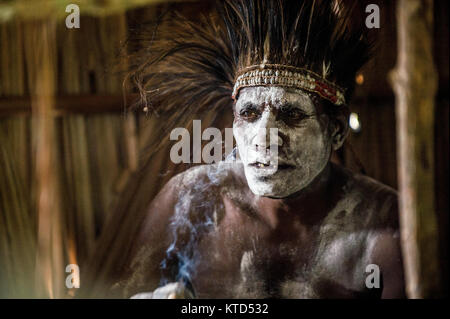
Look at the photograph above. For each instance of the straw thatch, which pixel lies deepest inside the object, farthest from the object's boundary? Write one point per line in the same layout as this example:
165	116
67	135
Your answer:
68	164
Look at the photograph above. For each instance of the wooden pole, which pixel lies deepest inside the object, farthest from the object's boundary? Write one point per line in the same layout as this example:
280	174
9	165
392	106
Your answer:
414	81
40	47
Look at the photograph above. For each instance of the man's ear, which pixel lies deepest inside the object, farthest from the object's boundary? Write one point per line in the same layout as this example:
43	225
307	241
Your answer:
339	127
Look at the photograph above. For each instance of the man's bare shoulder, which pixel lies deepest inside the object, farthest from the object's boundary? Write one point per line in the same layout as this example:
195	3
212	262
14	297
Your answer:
368	202
377	216
363	225
203	179
199	188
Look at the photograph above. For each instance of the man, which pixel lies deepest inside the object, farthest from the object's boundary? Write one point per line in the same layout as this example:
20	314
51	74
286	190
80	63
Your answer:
281	221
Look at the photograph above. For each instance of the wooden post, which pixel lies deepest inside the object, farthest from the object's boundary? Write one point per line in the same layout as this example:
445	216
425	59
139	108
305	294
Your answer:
414	81
40	48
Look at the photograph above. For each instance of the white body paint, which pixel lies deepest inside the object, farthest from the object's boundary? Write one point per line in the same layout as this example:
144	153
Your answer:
306	146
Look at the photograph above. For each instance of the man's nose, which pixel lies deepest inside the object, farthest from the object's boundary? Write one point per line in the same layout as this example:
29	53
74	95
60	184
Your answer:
267	132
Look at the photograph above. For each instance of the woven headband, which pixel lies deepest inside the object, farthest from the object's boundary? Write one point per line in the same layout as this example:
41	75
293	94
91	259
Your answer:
288	76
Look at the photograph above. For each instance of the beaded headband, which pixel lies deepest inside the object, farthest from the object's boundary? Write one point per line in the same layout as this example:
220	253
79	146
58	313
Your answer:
288	76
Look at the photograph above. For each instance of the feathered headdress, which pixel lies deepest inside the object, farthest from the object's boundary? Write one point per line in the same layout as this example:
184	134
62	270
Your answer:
193	66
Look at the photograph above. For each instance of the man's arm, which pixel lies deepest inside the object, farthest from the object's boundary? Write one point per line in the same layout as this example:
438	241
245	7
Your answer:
143	270
387	256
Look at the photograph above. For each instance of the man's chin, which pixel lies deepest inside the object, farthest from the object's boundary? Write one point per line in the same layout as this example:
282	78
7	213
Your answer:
277	184
269	188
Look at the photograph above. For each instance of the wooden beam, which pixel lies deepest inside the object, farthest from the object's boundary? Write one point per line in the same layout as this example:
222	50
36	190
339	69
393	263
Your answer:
55	9
84	104
414	81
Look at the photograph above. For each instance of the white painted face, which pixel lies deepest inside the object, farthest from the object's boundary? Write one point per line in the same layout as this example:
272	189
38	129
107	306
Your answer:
304	144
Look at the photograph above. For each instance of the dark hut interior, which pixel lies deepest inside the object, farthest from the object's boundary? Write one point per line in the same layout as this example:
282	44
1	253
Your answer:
78	170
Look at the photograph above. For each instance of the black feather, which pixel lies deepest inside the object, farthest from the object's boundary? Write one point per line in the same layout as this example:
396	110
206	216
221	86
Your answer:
191	66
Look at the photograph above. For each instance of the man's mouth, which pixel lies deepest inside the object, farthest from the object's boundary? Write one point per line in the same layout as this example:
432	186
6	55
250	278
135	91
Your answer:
281	166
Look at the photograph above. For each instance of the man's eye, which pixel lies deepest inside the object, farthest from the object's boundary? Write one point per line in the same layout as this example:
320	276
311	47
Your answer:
293	114
249	113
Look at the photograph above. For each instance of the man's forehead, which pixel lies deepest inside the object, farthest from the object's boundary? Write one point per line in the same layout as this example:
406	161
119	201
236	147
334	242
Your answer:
274	95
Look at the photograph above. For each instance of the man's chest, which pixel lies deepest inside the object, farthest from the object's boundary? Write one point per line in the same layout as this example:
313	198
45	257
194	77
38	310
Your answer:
319	267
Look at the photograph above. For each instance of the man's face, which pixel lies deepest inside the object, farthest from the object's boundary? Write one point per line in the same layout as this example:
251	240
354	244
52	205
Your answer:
304	144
